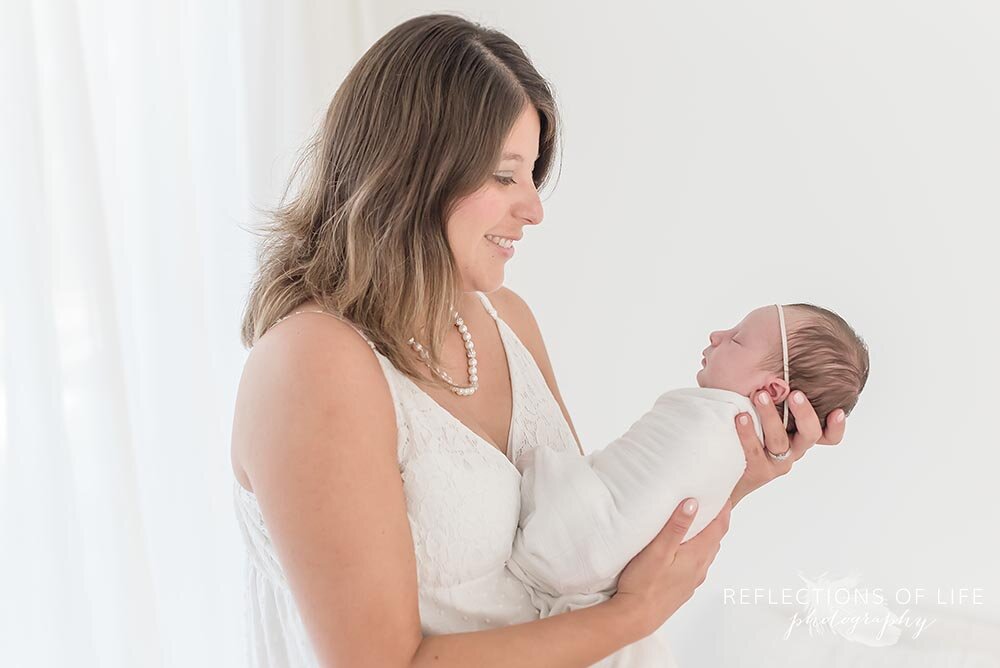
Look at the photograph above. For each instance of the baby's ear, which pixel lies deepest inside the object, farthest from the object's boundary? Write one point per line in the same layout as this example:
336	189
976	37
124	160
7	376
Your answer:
777	388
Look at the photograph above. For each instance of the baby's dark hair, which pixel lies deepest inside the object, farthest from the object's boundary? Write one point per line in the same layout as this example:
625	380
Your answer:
827	361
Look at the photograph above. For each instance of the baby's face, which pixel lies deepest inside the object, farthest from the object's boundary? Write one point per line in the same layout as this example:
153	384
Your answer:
733	360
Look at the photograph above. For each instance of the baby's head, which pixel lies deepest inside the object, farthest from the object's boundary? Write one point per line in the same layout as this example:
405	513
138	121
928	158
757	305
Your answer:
827	360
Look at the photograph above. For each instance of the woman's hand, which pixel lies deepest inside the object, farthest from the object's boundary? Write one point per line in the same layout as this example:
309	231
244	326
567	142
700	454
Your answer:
660	578
761	467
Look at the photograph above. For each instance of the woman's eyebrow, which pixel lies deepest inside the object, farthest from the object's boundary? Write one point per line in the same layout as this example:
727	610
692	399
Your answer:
514	156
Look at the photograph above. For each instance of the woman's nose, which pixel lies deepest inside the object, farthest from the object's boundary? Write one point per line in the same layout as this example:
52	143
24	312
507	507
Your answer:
530	208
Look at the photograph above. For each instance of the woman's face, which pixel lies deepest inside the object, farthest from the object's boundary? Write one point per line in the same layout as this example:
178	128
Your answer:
498	210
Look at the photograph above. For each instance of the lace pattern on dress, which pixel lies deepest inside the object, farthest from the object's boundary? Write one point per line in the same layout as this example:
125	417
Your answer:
462	493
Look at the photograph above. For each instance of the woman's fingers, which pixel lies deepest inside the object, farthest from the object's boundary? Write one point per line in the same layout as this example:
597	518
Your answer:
807	429
775	436
753	449
705	545
664	574
761	467
716	529
836	423
673	532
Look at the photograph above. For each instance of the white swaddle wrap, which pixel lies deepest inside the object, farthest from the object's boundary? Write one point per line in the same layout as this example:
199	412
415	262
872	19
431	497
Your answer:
583	518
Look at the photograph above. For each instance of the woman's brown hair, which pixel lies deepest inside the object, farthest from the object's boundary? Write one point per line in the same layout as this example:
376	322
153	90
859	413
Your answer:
418	123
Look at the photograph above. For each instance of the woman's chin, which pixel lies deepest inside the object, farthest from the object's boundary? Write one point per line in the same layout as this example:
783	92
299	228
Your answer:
485	284
485	287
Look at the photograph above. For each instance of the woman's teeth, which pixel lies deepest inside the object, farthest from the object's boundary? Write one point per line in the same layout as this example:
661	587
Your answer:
501	241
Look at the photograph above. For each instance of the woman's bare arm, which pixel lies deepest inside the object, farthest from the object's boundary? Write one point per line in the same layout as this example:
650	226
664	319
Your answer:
316	430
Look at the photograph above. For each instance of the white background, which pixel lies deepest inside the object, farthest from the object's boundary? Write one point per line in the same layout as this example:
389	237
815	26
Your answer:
717	157
723	156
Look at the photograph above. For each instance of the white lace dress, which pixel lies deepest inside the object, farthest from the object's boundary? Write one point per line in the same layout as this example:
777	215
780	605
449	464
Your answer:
463	504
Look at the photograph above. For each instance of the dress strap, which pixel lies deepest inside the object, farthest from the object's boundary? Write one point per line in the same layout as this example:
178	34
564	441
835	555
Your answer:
489	307
332	315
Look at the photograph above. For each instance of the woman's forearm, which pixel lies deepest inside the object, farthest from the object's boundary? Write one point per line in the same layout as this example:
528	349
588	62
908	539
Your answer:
571	640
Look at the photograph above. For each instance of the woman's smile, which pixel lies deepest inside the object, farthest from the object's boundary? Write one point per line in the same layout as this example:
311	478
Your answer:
507	250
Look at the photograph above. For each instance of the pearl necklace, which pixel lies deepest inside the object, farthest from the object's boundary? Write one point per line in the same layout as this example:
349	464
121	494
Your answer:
470	353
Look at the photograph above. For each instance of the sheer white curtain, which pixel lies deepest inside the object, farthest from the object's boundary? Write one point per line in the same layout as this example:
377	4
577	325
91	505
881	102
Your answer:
136	141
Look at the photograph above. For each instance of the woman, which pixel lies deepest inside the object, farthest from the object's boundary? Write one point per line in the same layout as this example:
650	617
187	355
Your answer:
375	486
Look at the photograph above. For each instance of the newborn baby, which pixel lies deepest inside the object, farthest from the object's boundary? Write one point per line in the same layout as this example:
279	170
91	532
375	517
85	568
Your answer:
584	518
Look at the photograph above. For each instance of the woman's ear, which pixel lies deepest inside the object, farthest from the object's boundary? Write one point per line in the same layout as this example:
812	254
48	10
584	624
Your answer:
777	388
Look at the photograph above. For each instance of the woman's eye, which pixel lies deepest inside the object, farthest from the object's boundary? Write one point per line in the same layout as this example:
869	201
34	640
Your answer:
504	179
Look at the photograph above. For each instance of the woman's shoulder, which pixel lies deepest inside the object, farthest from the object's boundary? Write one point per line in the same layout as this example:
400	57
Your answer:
310	368
513	310
308	330
313	346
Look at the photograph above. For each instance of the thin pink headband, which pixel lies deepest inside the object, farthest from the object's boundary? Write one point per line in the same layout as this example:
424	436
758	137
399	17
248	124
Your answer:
784	354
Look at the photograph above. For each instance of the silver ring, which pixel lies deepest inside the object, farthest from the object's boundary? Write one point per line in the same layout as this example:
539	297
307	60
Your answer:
778	458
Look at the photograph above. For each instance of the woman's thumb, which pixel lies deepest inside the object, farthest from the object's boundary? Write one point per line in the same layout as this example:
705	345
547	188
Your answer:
673	532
